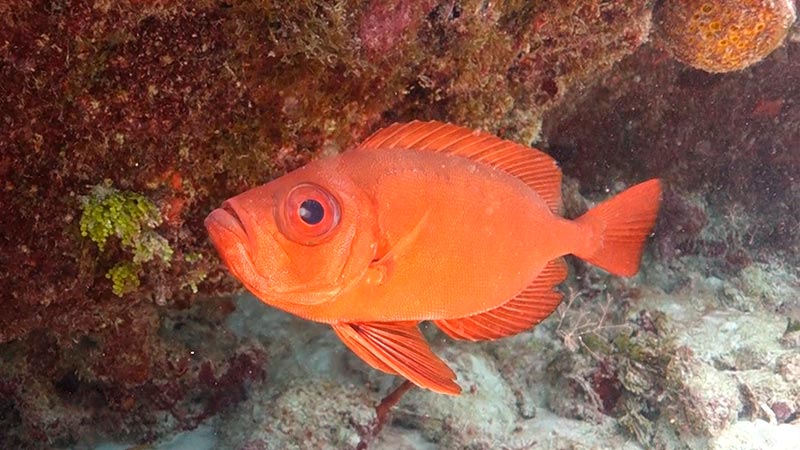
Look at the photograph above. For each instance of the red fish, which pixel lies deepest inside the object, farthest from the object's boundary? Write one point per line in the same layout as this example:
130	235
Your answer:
423	221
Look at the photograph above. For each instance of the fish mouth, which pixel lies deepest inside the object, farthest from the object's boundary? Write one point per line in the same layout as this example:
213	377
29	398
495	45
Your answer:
225	221
226	206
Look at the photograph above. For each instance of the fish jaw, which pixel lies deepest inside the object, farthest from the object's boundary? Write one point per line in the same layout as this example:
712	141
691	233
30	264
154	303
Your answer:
230	238
224	224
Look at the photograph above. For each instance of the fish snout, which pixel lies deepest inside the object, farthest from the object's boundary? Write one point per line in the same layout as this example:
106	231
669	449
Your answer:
224	223
228	208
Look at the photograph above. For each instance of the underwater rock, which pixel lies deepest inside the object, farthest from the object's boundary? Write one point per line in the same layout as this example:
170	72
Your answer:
552	432
757	435
523	360
770	396
303	414
728	367
304	353
705	401
731	196
387	25
789	367
401	439
771	288
308	366
137	381
572	393
734	340
169	102
484	413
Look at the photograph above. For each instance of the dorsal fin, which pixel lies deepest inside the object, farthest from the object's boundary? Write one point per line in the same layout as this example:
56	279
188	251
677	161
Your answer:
535	168
526	309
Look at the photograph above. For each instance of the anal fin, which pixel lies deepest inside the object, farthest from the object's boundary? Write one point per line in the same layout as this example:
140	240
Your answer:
526	309
399	348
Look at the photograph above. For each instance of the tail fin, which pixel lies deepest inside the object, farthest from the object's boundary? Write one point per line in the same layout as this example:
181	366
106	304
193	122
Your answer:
622	224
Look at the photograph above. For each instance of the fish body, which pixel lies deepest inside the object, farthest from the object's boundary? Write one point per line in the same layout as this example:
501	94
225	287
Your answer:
423	221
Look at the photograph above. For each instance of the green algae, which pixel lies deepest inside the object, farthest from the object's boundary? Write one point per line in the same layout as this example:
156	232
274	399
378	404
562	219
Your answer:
124	277
131	218
109	212
197	274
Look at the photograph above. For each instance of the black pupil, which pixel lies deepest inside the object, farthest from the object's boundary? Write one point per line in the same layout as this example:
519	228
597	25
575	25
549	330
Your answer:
311	211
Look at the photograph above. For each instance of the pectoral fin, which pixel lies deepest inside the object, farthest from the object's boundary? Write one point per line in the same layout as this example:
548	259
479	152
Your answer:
399	348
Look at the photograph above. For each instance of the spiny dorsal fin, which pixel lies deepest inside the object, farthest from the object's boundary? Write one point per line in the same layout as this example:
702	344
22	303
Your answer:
535	168
398	348
522	312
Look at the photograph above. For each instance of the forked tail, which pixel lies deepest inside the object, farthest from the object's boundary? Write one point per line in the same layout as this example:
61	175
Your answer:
620	226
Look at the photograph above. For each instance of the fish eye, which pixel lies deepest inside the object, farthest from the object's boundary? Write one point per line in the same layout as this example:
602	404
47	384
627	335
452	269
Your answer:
309	214
311	211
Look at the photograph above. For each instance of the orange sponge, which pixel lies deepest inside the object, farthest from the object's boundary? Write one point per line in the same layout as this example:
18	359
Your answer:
722	35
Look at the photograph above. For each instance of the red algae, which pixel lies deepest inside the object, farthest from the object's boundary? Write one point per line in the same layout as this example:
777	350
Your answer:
385	24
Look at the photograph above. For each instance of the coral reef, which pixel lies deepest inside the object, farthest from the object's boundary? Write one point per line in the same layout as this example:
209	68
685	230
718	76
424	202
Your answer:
289	420
702	348
125	122
714	367
143	377
677	370
705	401
488	393
320	381
725	35
171	103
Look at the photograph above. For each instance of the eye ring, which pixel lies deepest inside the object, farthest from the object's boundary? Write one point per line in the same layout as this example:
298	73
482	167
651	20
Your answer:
309	214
